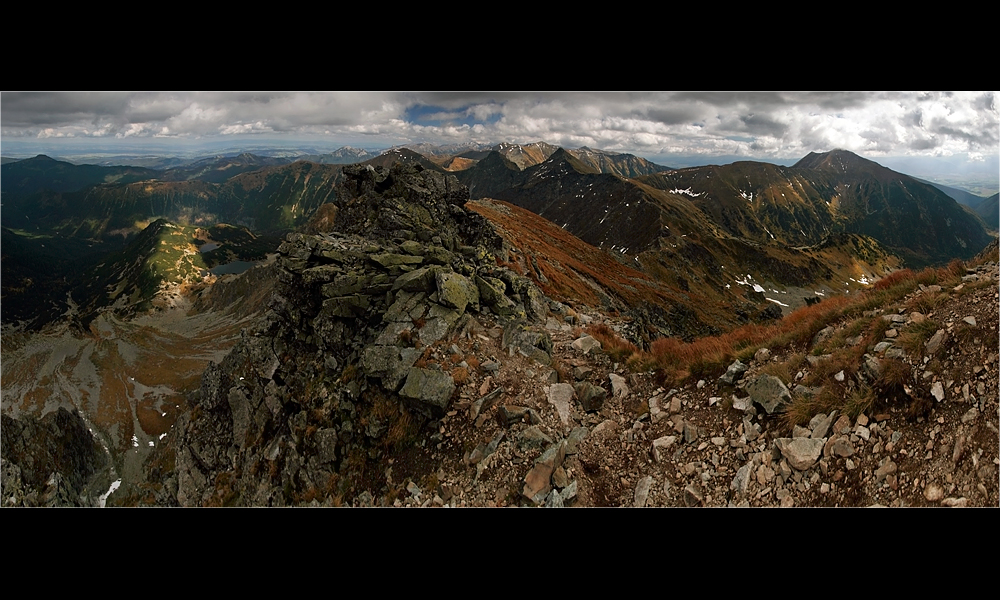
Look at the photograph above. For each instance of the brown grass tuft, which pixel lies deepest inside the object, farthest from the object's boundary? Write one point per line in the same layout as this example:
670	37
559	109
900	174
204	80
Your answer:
859	400
611	343
895	278
928	302
895	374
913	338
460	375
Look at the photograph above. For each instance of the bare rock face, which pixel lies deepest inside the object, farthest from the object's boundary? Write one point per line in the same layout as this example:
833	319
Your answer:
52	461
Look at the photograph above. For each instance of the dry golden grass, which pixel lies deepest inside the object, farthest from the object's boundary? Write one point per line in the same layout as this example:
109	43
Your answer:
804	408
895	374
894	278
859	400
611	343
569	267
915	335
677	360
785	370
928	302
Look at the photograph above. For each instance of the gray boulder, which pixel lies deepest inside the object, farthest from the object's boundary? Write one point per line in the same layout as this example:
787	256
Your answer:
769	392
432	388
733	373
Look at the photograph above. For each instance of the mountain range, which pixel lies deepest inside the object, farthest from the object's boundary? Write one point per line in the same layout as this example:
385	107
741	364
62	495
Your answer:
391	256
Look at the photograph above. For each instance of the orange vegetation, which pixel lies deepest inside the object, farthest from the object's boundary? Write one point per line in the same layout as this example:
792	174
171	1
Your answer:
677	360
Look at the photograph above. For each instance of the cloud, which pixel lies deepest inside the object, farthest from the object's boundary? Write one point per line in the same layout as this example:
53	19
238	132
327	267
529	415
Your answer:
765	124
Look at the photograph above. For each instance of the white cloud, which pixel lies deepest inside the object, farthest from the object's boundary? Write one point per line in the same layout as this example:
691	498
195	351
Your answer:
744	123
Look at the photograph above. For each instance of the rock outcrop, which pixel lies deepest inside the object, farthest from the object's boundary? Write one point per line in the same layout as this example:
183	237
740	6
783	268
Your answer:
52	461
351	357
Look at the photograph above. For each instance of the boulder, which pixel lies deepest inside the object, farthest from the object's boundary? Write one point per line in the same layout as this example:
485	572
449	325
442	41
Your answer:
770	392
591	397
801	452
432	388
456	291
733	373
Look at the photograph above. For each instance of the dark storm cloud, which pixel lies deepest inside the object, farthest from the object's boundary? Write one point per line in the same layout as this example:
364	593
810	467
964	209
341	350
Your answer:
987	102
923	143
837	101
764	125
674	114
24	109
975	139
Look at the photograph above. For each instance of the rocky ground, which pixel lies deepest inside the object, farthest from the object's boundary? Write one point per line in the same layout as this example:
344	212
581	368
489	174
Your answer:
516	437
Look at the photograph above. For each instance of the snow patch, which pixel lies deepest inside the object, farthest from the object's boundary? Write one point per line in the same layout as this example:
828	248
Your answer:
103	498
775	301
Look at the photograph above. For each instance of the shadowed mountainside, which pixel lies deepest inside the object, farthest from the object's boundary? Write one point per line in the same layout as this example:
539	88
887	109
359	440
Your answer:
831	192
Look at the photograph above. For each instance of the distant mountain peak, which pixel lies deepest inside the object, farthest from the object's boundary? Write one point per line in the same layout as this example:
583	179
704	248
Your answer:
561	155
837	160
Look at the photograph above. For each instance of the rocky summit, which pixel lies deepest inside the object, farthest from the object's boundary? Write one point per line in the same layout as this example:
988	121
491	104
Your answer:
356	353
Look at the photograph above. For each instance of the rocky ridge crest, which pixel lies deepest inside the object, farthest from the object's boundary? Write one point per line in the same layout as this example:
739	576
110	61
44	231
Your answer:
349	360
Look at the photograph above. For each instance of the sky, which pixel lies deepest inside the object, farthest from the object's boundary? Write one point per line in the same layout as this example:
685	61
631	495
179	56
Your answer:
962	127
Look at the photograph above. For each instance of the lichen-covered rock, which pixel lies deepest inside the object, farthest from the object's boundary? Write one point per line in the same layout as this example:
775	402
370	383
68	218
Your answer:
390	363
456	291
492	293
733	373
